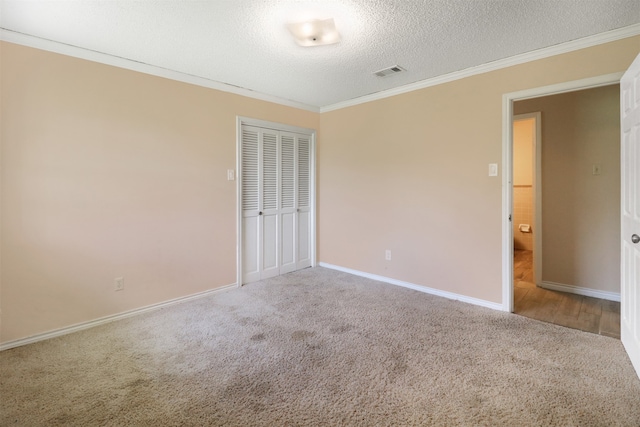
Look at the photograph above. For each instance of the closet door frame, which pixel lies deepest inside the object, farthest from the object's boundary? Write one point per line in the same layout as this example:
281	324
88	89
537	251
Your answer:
280	127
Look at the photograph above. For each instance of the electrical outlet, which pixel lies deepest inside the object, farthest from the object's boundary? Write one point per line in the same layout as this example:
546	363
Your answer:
387	254
119	283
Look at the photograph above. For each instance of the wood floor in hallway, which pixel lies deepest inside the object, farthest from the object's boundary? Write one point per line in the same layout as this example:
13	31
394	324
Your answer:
574	311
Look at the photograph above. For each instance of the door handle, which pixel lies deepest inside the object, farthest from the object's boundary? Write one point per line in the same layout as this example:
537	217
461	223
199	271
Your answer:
635	238
259	213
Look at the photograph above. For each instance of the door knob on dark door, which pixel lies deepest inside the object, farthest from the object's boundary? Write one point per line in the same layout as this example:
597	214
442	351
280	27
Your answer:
635	238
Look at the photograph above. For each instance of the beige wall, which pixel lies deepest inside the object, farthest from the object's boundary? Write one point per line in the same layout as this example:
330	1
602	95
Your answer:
106	173
409	173
523	134
580	211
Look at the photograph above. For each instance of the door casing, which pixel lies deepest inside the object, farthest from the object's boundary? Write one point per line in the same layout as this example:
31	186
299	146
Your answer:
240	121
507	161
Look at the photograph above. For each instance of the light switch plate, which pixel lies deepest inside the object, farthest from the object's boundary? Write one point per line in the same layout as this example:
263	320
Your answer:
231	174
493	169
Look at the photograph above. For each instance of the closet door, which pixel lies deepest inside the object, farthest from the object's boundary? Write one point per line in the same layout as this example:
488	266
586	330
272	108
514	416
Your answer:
270	213
288	203
251	220
303	199
276	202
260	215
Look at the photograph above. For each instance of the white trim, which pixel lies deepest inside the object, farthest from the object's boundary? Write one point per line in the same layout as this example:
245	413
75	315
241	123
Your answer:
77	52
108	319
537	200
559	49
141	67
507	204
507	160
572	86
312	200
425	289
611	296
239	178
241	120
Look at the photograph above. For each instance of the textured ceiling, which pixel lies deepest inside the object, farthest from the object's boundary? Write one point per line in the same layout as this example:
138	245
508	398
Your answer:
245	43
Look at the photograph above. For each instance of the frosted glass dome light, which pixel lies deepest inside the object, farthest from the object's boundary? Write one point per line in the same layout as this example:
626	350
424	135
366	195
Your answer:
317	32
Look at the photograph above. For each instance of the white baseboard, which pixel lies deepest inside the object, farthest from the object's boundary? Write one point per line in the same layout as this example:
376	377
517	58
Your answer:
107	319
425	289
611	296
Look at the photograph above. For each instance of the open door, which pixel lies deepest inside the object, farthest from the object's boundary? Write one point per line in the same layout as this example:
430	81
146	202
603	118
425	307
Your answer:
630	269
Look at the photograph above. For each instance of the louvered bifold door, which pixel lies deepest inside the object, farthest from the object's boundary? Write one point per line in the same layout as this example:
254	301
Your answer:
270	206
288	215
251	220
303	202
276	202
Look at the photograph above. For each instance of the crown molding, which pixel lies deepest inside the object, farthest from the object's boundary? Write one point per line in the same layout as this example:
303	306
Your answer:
590	41
103	58
77	52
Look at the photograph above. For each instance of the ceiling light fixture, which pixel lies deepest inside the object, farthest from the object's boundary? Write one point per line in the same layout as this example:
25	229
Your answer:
316	32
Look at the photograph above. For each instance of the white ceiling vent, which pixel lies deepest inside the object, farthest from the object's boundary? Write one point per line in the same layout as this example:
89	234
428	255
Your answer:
388	71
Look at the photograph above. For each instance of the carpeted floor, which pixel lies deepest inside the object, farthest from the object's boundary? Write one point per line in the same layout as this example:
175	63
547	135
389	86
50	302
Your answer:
319	347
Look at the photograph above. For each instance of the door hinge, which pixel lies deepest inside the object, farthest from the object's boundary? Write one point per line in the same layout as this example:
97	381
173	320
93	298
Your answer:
509	218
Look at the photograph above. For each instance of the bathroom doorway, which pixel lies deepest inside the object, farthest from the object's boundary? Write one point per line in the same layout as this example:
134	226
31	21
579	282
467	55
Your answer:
526	197
526	220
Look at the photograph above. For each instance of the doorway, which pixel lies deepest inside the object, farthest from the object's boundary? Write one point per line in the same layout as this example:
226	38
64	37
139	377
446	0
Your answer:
527	198
575	171
276	199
